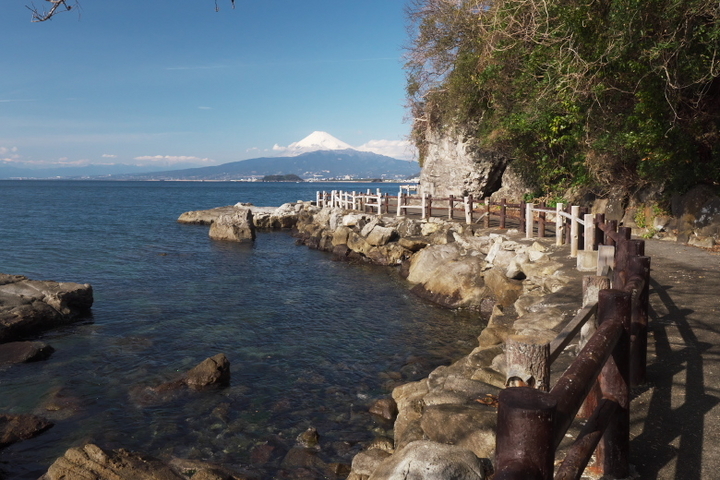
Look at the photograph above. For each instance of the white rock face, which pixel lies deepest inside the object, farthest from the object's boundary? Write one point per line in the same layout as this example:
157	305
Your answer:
456	165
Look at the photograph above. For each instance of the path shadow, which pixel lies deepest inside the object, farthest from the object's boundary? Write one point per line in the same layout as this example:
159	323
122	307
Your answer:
676	415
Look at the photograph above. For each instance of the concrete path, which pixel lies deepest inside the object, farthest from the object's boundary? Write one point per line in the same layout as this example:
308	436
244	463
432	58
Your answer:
676	414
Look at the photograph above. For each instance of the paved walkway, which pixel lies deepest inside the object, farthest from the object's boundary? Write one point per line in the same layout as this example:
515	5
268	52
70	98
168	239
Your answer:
676	415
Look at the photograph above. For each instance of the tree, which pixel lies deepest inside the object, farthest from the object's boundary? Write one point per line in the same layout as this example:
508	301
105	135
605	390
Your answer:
608	94
59	6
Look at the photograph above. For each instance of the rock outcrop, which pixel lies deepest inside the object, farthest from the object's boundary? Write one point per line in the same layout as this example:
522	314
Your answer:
28	307
455	165
236	227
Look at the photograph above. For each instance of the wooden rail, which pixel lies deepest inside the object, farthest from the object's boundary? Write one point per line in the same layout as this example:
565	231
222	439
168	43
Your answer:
533	421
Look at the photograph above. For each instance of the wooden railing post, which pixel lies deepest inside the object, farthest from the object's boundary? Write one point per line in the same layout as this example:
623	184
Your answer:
524	443
613	449
400	202
639	267
451	200
467	203
503	212
541	222
559	224
423	203
589	233
488	207
522	216
429	206
574	230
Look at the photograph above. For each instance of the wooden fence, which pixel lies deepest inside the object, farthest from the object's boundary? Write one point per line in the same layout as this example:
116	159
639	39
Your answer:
531	219
533	419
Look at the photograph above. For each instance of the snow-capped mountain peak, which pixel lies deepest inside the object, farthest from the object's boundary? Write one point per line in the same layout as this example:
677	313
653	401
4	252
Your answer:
312	143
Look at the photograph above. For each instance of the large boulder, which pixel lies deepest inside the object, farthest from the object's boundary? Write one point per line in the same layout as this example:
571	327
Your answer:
449	276
28	307
426	460
236	227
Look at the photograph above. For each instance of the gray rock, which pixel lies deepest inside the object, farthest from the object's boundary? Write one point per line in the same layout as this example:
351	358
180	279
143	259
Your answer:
236	227
468	426
426	460
28	307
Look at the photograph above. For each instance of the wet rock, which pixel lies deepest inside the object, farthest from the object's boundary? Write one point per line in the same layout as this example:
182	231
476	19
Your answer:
16	428
28	307
210	373
309	438
24	352
385	408
213	371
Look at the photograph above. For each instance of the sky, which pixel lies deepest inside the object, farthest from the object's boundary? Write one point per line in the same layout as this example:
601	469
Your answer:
168	83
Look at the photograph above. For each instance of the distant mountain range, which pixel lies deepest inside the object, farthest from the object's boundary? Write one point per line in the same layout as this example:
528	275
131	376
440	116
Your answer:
319	156
322	164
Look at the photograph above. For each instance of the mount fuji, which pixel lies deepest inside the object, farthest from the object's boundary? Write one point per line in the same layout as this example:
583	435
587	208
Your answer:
319	156
312	143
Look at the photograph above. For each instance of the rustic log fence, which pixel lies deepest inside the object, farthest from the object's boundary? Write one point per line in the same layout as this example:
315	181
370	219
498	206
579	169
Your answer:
533	419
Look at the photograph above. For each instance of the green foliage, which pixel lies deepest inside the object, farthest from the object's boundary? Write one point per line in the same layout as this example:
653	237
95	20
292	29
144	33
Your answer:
604	94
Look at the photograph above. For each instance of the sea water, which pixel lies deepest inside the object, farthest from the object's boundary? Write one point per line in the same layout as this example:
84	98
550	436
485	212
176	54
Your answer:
312	342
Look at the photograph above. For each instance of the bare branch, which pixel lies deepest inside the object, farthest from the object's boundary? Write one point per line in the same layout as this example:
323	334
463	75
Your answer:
57	7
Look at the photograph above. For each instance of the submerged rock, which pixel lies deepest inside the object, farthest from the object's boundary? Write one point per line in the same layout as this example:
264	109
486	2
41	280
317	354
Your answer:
24	352
16	428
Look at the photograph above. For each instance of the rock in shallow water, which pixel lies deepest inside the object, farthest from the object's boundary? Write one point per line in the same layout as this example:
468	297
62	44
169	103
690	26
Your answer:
16	428
23	352
28	307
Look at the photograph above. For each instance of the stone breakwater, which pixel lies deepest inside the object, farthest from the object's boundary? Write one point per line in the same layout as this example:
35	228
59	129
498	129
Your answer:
525	287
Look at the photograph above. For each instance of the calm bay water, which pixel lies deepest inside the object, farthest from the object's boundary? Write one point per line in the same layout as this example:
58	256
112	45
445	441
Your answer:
311	341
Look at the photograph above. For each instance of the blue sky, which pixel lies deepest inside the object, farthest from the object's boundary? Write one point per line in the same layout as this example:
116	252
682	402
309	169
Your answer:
167	82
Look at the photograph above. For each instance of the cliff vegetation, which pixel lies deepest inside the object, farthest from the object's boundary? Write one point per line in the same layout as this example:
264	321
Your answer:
607	96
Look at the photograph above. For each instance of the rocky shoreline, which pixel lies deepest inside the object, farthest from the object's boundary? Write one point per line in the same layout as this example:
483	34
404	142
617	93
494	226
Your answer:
442	423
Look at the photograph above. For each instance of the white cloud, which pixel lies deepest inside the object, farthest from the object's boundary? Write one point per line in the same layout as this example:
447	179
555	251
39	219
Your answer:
108	155
7	150
172	159
401	149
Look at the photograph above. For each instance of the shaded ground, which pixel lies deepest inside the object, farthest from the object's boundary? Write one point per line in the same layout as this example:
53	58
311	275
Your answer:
676	415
